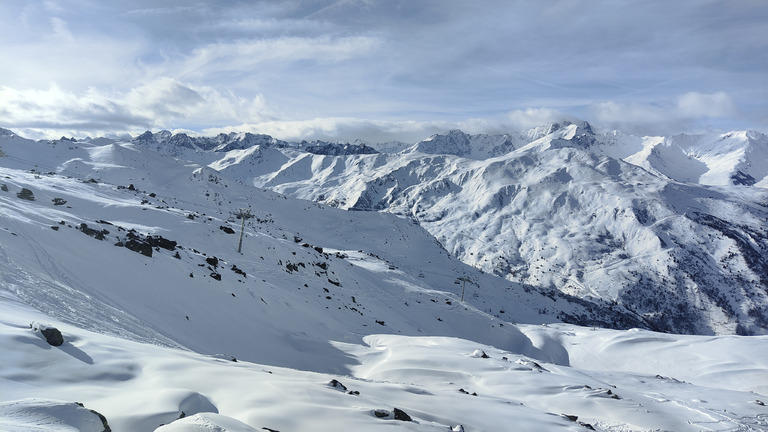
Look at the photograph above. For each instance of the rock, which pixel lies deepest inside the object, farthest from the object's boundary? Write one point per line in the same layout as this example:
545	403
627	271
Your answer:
101	417
337	385
139	246
212	261
401	415
97	234
457	428
380	413
480	354
59	201
26	194
159	241
227	229
52	335
3	187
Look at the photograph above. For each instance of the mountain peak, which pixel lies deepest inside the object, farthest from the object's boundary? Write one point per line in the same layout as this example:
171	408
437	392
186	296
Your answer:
7	133
453	142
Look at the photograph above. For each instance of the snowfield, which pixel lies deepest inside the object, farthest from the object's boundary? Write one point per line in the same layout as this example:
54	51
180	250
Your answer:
358	320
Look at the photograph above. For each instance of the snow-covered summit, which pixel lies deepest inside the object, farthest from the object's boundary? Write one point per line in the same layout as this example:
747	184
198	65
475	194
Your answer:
335	149
458	143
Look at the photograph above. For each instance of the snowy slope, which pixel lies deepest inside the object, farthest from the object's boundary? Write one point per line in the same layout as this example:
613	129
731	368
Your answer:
338	275
604	380
564	212
132	253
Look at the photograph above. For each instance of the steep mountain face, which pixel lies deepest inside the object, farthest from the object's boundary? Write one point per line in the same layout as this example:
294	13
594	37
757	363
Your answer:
335	149
457	143
561	213
179	144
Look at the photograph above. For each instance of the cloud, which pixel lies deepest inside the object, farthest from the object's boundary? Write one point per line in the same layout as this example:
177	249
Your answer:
251	55
162	103
694	105
340	129
690	110
436	64
350	129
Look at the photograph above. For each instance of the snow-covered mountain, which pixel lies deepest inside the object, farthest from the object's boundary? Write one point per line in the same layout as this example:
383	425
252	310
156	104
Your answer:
457	143
639	221
335	317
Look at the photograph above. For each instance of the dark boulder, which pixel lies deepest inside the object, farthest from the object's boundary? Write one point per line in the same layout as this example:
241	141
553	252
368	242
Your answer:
26	194
159	241
401	415
52	335
139	246
97	234
337	385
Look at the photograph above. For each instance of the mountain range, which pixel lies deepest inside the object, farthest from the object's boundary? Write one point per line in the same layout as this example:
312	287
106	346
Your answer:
671	230
556	252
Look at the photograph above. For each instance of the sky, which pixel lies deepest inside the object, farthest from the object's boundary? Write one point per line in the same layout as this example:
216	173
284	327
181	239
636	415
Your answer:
381	70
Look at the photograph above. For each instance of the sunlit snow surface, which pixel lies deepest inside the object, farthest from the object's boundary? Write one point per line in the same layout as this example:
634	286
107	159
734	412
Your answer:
369	300
618	381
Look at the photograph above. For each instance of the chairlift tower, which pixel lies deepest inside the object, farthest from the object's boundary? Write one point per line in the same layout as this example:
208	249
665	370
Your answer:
242	214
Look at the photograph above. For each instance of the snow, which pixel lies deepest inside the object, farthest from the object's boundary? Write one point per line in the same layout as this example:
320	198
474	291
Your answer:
610	216
611	383
368	299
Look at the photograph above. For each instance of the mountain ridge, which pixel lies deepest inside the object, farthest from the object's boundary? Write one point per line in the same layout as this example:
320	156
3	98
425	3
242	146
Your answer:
491	209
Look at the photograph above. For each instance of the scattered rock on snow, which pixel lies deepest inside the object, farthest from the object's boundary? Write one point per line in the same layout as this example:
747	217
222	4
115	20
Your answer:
401	415
139	246
52	335
26	194
337	385
97	234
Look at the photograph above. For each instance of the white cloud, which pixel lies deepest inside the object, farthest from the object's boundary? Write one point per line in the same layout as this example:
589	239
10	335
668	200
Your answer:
410	131
693	105
439	64
242	54
162	103
691	110
340	129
